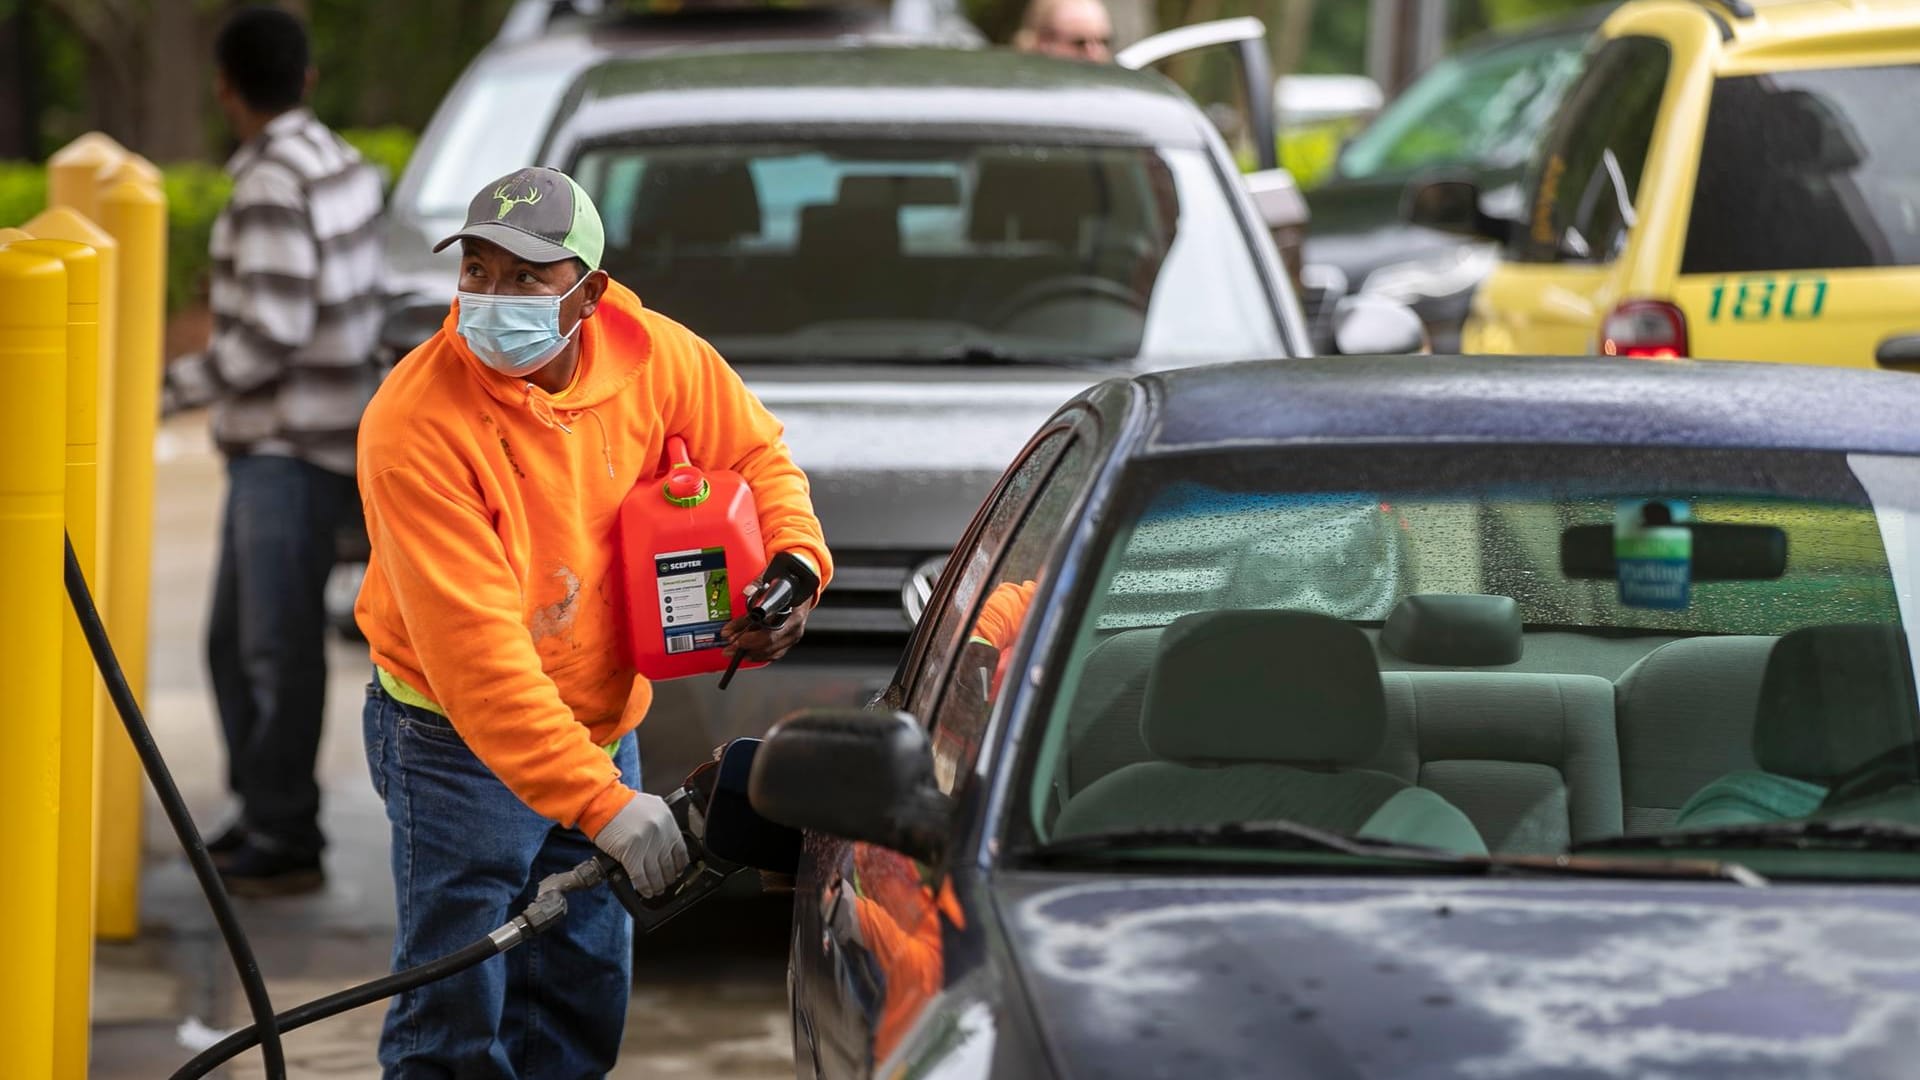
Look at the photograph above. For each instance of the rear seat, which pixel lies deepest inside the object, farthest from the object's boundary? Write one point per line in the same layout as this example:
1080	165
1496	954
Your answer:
1531	759
1686	716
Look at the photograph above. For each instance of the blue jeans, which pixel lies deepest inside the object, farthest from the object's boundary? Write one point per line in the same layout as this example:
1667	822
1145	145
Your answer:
267	636
467	856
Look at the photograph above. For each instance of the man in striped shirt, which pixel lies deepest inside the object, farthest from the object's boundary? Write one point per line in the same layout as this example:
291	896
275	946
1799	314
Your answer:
297	307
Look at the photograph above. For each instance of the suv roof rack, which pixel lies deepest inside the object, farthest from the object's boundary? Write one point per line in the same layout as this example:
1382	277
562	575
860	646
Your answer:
532	18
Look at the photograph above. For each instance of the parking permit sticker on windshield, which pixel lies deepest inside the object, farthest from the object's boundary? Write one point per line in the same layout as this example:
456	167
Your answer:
1653	554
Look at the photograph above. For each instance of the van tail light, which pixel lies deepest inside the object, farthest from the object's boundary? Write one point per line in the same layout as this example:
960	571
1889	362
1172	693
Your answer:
1645	330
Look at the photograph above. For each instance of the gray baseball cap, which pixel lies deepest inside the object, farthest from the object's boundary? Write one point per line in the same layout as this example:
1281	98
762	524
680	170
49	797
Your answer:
539	214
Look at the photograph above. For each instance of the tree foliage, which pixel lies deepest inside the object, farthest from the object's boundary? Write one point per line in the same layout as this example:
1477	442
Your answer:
141	69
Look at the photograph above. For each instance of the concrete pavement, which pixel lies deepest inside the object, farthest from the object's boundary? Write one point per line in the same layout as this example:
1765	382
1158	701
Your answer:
709	992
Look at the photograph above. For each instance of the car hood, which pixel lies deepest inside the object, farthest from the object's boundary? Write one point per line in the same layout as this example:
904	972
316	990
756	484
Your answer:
901	457
1145	977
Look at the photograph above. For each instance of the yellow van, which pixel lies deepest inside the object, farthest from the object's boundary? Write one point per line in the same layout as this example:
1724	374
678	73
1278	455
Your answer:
1730	180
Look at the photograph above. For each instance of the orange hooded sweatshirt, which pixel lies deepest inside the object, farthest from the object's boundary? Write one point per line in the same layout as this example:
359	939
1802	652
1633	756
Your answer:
491	505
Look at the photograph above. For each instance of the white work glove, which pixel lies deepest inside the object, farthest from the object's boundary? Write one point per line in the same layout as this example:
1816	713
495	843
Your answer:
646	841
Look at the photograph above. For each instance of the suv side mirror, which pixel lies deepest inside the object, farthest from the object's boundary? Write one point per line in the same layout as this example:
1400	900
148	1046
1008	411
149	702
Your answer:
1451	206
1367	325
856	775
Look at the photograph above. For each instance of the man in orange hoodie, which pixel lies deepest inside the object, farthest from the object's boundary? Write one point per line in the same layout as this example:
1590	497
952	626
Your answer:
492	465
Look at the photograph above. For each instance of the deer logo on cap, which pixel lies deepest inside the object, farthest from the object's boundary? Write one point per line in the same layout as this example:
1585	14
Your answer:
508	200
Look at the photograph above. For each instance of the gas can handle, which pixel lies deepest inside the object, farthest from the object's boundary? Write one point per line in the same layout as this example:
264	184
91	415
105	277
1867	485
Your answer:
677	452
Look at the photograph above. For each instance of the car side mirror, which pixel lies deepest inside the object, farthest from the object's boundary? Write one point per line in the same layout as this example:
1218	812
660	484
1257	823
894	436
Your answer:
855	775
1366	325
1451	206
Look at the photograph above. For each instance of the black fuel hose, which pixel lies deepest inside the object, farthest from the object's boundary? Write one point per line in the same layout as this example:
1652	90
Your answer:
548	908
251	982
334	1004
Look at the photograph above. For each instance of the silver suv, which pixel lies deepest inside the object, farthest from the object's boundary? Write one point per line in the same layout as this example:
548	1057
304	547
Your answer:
494	118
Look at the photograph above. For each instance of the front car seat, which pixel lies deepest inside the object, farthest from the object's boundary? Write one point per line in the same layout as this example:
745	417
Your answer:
1835	701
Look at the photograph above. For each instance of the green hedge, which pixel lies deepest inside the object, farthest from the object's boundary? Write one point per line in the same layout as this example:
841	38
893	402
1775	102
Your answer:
195	193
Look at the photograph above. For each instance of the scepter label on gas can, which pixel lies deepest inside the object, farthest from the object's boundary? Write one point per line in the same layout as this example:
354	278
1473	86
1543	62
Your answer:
695	600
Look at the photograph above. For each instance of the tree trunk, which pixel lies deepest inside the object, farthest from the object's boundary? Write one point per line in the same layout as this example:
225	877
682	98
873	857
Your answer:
174	82
1289	39
19	104
1132	20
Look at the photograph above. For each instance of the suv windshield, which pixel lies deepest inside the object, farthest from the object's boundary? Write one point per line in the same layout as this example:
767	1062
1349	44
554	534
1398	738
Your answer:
1483	109
964	251
1514	651
1808	170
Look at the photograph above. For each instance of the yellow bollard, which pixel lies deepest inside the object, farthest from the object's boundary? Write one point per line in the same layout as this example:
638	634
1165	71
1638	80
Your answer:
136	215
66	223
73	891
73	172
129	167
33	421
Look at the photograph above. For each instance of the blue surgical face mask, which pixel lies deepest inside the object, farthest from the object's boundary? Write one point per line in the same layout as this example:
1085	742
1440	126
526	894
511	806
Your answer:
514	335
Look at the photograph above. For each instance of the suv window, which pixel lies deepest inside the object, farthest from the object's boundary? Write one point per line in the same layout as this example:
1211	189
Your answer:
1808	170
1585	183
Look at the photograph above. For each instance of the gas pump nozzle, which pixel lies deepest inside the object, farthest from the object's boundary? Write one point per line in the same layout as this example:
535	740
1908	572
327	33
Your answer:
786	582
723	836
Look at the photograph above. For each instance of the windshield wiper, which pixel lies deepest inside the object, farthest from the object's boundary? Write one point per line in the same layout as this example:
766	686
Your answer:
1825	835
1290	836
1268	835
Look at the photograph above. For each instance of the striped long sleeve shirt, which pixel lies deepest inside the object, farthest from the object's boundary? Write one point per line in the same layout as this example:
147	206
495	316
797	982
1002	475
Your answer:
297	299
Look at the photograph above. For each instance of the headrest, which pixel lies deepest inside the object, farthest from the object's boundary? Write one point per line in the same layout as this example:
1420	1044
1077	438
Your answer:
1455	629
914	189
696	202
1268	686
851	232
1834	698
1035	201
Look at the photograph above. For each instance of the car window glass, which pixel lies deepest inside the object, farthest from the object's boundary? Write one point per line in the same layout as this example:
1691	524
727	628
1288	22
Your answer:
1808	169
946	627
978	676
953	251
1584	185
1484	110
1332	636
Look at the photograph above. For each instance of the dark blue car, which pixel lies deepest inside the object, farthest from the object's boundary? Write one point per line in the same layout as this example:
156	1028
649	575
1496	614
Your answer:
1392	718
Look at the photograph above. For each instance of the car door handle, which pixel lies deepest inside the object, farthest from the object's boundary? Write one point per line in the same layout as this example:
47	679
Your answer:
1899	352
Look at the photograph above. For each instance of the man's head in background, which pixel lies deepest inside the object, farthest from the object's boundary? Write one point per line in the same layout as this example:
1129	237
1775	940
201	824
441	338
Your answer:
262	67
1070	29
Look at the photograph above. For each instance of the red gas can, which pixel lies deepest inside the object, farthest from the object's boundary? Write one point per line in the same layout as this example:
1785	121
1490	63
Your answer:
689	546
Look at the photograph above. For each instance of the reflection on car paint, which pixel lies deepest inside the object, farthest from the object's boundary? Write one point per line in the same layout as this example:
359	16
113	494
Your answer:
886	908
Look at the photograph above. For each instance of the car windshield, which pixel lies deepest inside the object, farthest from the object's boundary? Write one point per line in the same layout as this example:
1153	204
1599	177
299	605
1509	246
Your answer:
1804	170
1485	110
1506	651
492	126
798	250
